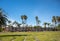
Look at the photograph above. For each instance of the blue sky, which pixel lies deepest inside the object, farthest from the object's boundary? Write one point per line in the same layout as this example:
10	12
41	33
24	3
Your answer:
44	9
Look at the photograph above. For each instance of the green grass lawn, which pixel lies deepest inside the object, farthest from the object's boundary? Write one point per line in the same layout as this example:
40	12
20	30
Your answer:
30	36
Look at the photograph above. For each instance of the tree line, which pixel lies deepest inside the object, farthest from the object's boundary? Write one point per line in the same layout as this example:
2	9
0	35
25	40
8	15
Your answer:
4	20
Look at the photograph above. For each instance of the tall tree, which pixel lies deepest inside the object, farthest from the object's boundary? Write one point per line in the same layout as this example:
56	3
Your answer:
58	22
3	19
48	24
54	20
37	21
58	19
24	18
45	23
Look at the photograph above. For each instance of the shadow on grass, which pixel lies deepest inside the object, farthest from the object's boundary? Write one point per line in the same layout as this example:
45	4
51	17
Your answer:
11	35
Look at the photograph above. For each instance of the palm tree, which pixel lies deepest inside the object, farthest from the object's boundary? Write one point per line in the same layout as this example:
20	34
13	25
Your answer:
48	24
58	19
45	23
3	19
24	18
37	21
54	20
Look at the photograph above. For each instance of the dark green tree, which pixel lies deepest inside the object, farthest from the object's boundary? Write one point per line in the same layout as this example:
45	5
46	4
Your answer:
37	21
24	18
3	19
58	19
58	22
54	20
45	23
48	24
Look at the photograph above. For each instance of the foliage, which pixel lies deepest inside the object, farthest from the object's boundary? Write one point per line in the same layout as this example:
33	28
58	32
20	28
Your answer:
37	27
45	23
56	20
24	18
58	27
37	21
3	19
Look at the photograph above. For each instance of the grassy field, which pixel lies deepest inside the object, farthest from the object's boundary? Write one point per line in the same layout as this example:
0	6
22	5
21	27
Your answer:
30	36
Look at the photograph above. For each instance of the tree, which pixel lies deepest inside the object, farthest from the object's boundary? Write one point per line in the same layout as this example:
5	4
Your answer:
58	19
9	21
37	21
45	23
54	20
24	18
3	19
48	24
58	27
